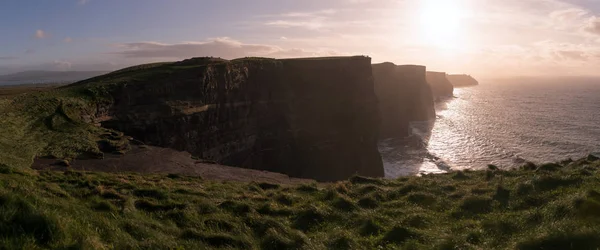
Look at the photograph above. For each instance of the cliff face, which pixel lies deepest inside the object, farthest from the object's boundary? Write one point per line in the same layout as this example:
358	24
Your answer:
440	85
404	96
310	118
462	80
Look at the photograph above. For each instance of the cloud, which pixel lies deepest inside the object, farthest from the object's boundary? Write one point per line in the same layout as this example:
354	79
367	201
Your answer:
568	14
29	51
218	47
40	34
61	65
68	40
7	57
83	2
314	24
593	25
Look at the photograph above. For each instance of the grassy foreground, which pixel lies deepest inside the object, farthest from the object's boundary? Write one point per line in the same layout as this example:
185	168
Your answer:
552	206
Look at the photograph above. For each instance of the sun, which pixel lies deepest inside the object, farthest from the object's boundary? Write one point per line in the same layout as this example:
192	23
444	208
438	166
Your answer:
440	22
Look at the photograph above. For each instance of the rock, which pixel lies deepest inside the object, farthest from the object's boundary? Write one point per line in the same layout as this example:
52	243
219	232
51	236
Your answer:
404	96
593	157
440	86
549	167
311	118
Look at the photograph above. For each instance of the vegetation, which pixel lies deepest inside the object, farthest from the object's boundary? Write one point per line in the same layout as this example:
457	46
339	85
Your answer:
532	208
50	124
549	206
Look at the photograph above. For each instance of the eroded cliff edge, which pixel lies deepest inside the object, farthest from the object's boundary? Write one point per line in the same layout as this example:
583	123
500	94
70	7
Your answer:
311	118
404	96
440	85
462	80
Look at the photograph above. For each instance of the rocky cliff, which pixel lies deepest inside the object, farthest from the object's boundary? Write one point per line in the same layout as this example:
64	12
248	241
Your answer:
404	96
440	85
462	80
312	118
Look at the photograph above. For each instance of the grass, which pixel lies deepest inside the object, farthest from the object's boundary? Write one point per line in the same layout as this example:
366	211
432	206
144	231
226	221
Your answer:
549	206
540	208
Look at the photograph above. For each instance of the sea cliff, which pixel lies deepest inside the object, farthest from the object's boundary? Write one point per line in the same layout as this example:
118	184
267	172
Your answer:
441	87
404	96
312	118
462	80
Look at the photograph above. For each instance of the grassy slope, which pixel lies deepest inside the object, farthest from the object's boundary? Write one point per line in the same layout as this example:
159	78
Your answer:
553	207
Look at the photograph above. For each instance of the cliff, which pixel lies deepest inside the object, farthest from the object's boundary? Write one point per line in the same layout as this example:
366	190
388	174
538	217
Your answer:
462	80
404	96
311	118
440	85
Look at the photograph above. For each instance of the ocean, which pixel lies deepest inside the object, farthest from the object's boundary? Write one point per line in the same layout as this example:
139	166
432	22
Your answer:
502	123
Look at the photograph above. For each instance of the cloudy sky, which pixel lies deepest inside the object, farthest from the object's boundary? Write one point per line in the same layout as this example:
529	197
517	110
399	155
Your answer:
485	38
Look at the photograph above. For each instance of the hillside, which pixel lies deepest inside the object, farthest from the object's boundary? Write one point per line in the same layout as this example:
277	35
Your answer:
549	206
37	77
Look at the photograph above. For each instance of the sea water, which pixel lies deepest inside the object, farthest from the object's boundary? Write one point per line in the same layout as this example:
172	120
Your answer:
502	123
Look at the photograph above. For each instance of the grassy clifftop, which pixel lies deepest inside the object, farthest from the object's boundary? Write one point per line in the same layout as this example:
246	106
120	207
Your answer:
51	123
552	206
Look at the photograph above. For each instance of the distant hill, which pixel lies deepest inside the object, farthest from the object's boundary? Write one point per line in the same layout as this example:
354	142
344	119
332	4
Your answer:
28	77
462	80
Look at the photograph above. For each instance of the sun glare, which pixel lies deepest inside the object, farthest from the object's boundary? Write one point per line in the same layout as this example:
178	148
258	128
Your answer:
440	23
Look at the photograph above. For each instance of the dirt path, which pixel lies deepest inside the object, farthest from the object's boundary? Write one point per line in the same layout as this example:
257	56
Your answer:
147	159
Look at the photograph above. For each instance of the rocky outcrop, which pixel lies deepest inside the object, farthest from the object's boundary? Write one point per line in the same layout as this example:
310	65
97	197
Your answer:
404	96
440	86
462	80
311	118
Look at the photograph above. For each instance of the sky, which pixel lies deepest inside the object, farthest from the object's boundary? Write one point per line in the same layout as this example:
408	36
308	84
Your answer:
486	38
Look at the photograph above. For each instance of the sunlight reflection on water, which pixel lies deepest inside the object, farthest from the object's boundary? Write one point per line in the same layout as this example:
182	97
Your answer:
503	125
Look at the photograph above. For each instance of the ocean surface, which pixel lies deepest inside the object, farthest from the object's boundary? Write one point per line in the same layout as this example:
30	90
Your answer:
502	123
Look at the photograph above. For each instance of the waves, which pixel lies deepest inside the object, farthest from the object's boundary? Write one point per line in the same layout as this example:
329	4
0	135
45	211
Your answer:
501	124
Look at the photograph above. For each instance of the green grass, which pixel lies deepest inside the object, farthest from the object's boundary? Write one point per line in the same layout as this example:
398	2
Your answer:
541	208
52	124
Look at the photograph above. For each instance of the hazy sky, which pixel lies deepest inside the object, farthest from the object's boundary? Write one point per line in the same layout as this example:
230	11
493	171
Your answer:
481	37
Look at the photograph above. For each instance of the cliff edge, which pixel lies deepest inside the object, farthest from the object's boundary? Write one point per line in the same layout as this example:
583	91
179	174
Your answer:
311	118
440	86
404	96
462	80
